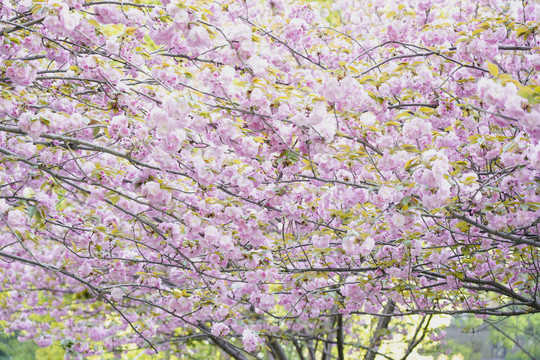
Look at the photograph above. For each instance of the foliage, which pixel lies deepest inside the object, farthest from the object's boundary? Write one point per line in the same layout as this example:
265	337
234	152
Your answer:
12	349
524	331
498	337
266	177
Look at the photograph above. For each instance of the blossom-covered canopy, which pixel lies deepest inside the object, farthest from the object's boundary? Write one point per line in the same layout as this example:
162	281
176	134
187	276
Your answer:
246	171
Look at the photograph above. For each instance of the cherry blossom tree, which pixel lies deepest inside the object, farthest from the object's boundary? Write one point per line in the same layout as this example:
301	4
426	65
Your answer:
266	176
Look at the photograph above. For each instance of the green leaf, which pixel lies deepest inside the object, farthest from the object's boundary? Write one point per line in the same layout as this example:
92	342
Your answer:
493	69
114	199
463	226
427	110
32	210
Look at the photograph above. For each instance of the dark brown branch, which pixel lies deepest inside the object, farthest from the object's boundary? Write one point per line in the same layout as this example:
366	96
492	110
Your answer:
510	338
339	337
513	238
276	349
382	325
21	26
223	345
415	341
299	350
402	105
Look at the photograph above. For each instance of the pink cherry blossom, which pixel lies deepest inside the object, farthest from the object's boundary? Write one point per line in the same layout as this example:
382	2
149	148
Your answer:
250	340
117	294
259	174
220	329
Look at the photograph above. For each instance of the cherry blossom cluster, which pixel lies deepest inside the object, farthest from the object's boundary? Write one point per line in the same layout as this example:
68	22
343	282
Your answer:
263	173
